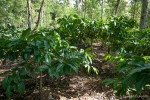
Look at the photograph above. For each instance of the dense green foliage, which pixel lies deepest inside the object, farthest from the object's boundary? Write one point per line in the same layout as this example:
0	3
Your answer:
44	50
78	30
51	50
133	63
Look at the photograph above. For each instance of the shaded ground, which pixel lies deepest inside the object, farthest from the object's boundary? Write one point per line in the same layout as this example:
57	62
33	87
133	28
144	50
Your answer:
72	87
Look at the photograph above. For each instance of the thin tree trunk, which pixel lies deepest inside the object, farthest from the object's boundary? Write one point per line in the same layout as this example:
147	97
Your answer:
39	17
143	14
41	21
117	6
65	6
135	4
29	13
102	8
84	8
46	14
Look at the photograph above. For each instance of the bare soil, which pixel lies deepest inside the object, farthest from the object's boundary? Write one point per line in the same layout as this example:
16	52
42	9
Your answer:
81	86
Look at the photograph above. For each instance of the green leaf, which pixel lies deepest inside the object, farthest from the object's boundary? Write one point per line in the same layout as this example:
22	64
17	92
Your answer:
40	58
25	34
42	68
88	68
137	63
108	81
67	69
15	77
137	58
56	75
14	42
131	80
59	67
48	59
95	69
26	55
32	43
21	87
76	16
36	51
8	91
39	43
51	72
88	49
124	67
46	45
136	70
116	82
22	72
75	68
141	82
6	82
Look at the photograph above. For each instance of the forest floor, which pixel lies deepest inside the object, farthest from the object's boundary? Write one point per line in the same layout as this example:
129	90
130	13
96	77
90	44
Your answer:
81	86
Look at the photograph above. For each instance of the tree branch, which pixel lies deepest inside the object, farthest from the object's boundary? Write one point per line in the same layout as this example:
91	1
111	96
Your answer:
39	17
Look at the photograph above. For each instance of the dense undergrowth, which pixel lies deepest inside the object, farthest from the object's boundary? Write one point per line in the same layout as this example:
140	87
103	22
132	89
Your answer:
55	50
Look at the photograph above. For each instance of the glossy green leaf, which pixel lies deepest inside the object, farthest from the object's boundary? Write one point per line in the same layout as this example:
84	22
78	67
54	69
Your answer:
108	81
40	58
75	68
56	75
15	77
42	68
138	63
131	80
95	70
136	70
6	82
8	91
26	56
48	59
59	67
36	51
51	72
141	82
13	43
124	67
39	43
46	45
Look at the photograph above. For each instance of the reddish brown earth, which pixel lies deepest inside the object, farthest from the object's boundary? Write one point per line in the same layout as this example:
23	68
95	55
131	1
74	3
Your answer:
70	87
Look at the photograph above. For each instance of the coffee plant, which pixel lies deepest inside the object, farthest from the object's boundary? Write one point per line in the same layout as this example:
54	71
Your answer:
42	51
133	64
115	30
78	30
51	50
